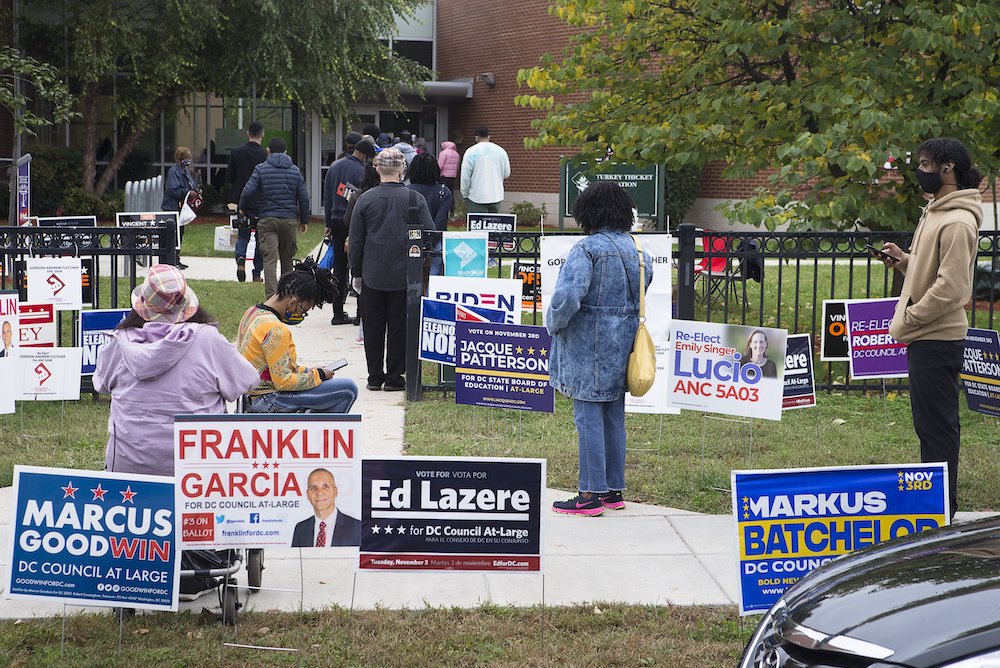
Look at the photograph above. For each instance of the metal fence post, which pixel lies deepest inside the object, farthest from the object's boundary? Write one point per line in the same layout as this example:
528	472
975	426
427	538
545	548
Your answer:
685	271
414	290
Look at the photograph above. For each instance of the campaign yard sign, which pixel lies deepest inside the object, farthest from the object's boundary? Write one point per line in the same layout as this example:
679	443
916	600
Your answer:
93	538
791	521
491	222
531	294
981	371
86	281
451	513
256	480
712	368
50	374
9	364
503	294
37	326
800	385
833	346
503	366
150	219
96	328
874	353
56	281
465	254
67	221
437	327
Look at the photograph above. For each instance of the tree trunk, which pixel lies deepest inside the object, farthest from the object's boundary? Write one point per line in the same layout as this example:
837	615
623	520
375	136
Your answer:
108	176
90	137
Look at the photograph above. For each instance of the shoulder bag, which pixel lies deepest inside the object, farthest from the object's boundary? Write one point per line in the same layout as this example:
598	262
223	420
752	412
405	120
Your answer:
641	370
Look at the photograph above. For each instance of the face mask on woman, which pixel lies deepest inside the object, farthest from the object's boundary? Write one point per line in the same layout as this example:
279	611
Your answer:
185	163
295	317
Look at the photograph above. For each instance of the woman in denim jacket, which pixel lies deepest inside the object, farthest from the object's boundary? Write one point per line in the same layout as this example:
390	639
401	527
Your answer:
593	317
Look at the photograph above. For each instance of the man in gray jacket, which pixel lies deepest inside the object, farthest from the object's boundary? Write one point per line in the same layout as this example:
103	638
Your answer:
377	251
283	203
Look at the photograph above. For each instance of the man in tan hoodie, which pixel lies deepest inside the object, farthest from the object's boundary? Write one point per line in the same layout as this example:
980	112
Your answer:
930	316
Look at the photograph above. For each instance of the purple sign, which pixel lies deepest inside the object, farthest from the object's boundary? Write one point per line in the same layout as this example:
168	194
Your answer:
24	191
981	371
874	353
503	366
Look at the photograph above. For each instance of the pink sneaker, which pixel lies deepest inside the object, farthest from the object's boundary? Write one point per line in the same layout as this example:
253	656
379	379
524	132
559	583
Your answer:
613	500
585	503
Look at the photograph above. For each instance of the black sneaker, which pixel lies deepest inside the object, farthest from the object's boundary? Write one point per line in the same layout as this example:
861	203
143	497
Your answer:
374	387
613	500
181	266
585	503
341	319
389	387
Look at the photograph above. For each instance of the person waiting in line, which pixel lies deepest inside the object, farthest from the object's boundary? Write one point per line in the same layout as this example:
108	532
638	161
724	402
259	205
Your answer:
266	342
378	251
242	161
593	317
166	358
756	352
176	186
425	178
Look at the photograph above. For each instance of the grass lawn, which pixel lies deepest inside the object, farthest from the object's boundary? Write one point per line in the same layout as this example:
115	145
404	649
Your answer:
199	237
607	636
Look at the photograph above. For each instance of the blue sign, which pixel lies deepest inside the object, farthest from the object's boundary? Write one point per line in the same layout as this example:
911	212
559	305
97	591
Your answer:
95	331
791	521
451	513
94	538
437	327
465	254
503	366
981	371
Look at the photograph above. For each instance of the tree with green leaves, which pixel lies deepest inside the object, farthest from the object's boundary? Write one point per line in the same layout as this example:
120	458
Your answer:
818	95
23	77
322	55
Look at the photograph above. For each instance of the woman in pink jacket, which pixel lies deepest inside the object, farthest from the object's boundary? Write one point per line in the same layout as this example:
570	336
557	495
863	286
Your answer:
448	161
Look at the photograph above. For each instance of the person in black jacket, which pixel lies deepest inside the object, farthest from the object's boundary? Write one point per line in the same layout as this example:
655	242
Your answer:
242	161
283	197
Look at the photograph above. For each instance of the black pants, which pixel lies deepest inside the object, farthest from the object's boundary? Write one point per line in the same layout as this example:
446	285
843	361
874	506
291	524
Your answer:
383	318
340	272
934	368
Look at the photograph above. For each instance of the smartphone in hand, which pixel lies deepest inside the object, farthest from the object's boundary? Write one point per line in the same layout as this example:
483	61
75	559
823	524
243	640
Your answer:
880	254
339	364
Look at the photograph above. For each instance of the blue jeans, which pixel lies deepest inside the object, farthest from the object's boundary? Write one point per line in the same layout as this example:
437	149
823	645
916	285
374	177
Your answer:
242	241
601	426
437	261
334	395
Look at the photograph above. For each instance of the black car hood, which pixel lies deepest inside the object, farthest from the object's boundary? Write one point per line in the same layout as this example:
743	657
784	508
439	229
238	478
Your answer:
935	595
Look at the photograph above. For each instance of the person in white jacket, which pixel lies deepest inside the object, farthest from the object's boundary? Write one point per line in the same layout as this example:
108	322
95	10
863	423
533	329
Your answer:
485	166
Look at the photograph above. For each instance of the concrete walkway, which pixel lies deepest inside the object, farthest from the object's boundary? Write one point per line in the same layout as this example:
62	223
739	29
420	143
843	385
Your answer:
644	554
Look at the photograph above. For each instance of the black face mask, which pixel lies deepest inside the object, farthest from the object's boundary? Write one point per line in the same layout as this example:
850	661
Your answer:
930	182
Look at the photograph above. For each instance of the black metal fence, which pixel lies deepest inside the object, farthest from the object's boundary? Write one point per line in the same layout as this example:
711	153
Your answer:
771	279
110	257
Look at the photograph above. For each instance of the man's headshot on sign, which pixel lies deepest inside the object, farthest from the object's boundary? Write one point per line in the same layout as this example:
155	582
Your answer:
6	339
327	527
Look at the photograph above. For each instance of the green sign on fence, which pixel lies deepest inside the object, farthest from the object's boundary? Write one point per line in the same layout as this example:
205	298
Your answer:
643	184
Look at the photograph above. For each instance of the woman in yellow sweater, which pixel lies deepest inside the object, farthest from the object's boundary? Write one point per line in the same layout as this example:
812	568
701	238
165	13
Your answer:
266	342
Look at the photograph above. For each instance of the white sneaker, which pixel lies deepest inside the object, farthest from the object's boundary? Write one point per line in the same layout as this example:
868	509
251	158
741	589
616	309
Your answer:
196	596
360	340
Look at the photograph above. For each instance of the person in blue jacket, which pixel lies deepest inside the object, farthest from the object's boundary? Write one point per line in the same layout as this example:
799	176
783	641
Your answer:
593	317
178	183
283	202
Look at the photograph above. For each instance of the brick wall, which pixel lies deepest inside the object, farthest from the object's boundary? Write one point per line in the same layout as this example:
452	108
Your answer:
500	37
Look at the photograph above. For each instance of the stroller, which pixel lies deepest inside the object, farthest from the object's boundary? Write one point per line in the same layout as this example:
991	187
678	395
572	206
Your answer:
203	570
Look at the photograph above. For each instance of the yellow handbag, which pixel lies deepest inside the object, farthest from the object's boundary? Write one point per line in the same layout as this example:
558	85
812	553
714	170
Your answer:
641	370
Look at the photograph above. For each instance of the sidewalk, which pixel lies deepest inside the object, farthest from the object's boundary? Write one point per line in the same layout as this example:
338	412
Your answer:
644	554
